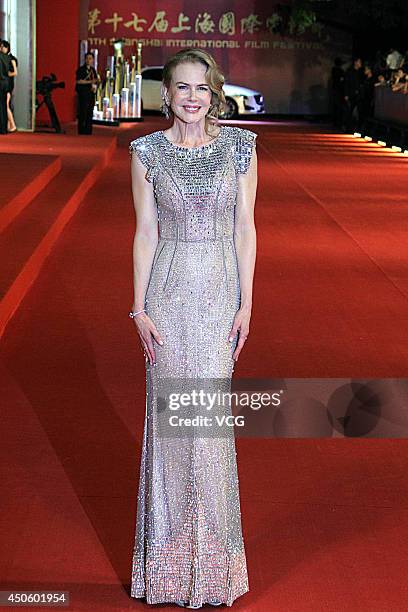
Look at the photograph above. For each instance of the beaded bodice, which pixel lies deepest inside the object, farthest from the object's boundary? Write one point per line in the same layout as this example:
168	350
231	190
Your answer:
195	188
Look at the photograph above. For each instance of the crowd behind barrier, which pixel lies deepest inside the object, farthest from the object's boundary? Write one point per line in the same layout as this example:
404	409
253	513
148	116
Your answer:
355	97
354	88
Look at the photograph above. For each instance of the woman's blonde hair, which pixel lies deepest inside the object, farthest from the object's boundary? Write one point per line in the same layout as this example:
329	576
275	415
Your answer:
214	77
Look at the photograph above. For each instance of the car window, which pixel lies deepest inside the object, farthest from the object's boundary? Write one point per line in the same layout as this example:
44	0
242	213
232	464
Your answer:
153	74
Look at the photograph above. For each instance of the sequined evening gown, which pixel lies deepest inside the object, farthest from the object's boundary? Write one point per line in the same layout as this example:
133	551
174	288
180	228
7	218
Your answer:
188	542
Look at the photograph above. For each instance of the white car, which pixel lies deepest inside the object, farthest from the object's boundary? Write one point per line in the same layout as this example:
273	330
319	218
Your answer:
240	100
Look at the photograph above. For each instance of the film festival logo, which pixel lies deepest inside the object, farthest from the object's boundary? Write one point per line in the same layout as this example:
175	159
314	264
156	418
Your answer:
282	408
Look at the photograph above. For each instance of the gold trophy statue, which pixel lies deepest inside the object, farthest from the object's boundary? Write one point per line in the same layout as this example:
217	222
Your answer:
136	85
133	71
119	76
120	97
124	94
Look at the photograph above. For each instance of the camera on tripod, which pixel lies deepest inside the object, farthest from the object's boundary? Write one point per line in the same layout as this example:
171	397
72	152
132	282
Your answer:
44	88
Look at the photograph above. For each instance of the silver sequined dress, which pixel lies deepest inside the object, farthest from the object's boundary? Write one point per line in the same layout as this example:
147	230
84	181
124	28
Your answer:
188	542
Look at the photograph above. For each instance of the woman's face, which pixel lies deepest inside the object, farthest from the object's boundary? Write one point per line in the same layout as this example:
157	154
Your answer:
189	95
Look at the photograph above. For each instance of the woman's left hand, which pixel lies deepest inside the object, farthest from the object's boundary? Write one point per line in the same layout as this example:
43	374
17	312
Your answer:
241	325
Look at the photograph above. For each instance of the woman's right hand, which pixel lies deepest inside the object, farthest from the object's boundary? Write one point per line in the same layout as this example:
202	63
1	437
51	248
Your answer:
147	332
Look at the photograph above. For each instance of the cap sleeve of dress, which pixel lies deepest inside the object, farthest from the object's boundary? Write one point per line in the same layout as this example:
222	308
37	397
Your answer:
146	153
245	144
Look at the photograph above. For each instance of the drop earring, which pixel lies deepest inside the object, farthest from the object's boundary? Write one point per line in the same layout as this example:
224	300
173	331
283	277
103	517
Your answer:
165	108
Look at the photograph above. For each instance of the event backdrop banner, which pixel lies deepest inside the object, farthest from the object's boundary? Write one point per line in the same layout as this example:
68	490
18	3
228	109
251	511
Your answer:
290	70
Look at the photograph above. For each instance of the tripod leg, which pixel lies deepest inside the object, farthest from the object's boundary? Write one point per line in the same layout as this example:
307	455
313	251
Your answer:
53	115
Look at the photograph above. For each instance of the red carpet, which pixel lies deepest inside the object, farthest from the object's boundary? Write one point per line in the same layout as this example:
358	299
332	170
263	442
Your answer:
23	177
30	232
324	520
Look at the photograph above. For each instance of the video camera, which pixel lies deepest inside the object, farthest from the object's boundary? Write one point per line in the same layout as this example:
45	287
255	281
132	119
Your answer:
44	88
47	84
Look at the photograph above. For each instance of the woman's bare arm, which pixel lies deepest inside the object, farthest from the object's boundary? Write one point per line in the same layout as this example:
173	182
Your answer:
13	72
244	232
144	247
146	234
245	246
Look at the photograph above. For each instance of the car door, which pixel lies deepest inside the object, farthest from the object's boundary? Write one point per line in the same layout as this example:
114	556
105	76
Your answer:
151	82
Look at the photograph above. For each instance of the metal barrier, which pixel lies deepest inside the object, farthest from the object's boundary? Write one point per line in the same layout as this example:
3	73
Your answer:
391	105
390	120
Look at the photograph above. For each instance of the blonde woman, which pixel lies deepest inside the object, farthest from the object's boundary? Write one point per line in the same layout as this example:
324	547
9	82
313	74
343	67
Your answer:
194	188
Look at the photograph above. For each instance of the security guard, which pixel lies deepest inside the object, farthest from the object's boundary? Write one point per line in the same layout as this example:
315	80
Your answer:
86	83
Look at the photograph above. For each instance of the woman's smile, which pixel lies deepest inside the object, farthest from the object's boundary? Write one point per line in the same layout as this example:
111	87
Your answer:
191	108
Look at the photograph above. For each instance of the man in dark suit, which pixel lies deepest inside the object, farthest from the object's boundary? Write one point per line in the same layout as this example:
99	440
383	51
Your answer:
5	68
86	81
367	96
352	90
337	82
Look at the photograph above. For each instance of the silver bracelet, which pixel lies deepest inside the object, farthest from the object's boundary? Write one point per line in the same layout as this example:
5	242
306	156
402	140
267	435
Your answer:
132	314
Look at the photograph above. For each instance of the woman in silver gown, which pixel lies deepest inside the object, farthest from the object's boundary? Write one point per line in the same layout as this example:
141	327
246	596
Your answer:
195	183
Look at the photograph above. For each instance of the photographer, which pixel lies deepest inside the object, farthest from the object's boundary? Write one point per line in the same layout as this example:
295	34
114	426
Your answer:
86	84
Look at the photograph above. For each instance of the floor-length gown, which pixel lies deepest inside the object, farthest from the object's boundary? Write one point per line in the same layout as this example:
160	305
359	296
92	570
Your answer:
188	543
